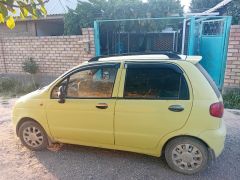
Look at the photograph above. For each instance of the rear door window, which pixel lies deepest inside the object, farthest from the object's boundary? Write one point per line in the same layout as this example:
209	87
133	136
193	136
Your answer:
155	82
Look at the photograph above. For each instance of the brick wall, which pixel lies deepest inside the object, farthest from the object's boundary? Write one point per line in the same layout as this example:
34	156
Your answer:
56	54
232	73
53	54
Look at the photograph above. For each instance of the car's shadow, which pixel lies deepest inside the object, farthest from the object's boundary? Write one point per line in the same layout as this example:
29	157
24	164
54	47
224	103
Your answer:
80	162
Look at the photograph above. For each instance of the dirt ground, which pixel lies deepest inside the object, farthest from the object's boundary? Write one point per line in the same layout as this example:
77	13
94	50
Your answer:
78	162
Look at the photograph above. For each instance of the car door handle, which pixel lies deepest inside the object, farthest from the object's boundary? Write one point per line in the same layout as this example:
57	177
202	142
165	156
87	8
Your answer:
102	106
176	108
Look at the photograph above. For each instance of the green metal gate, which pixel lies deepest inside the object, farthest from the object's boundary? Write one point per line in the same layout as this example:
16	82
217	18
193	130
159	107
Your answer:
209	38
192	35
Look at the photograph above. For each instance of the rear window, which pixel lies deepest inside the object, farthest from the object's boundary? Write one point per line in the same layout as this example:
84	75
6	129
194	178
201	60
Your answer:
210	80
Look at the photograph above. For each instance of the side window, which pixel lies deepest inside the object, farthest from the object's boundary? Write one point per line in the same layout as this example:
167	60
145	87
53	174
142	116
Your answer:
55	90
155	83
96	82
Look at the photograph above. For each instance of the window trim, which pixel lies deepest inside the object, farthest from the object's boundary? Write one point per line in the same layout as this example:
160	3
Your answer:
174	67
83	68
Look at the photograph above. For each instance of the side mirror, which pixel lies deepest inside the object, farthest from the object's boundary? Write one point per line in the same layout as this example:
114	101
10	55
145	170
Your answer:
61	94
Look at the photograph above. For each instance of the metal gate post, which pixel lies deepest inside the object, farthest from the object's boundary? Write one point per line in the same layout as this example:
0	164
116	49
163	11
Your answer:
227	28
96	38
183	35
191	36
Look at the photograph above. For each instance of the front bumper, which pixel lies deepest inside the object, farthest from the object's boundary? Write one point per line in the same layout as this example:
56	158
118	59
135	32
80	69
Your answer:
14	122
215	139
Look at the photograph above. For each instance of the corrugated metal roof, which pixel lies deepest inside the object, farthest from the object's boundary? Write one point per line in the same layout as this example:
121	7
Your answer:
58	17
55	7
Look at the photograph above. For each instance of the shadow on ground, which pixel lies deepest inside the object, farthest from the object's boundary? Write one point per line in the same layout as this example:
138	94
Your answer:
79	162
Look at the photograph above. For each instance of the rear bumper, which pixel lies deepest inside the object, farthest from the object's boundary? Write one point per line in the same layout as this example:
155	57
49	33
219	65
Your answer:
215	139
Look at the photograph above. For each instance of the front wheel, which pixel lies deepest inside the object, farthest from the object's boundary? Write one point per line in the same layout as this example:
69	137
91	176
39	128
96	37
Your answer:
33	136
186	155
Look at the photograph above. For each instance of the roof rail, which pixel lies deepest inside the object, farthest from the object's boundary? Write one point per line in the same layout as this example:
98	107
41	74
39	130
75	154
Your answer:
96	58
170	54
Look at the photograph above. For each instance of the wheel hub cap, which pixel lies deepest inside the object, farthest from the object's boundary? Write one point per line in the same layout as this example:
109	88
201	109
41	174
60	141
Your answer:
187	156
33	136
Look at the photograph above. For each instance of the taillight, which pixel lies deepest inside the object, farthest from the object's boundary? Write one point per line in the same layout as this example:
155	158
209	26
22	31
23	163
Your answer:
216	109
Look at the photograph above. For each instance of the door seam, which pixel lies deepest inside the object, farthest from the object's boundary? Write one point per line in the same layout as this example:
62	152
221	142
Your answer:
116	98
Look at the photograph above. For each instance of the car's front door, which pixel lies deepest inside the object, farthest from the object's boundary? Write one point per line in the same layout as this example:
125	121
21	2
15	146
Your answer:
86	116
154	100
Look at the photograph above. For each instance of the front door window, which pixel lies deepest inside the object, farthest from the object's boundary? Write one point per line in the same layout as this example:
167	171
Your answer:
96	82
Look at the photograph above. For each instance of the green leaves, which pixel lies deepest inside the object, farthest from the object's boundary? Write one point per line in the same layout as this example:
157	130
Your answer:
232	99
33	8
30	66
23	13
3	10
198	6
88	11
233	9
43	10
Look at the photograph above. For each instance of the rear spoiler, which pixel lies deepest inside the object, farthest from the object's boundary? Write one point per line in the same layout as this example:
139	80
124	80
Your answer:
192	59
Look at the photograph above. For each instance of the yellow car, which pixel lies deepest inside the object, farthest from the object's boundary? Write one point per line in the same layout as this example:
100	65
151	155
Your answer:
162	104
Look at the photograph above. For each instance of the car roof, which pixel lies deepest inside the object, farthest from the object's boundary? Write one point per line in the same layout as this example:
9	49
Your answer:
137	58
155	57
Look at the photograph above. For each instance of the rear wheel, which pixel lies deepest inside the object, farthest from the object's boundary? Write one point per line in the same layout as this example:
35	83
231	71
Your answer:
33	136
186	155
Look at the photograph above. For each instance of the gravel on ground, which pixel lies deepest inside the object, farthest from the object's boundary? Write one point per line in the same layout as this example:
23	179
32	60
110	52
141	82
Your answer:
79	162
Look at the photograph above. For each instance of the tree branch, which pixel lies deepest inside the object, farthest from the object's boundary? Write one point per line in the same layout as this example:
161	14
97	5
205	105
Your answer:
17	6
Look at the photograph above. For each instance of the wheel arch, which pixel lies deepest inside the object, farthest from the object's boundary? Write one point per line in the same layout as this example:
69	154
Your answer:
183	136
25	119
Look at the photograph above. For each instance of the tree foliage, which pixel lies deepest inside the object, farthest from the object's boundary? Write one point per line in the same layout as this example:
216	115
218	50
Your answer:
30	66
8	8
233	9
88	11
198	6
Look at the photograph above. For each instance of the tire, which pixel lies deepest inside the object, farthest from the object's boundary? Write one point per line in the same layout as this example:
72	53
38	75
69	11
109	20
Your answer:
33	136
186	155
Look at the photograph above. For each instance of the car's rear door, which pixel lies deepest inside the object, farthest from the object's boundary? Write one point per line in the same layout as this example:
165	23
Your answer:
154	99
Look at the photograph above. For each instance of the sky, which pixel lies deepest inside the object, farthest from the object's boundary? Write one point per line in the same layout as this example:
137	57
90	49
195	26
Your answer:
60	6
186	4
